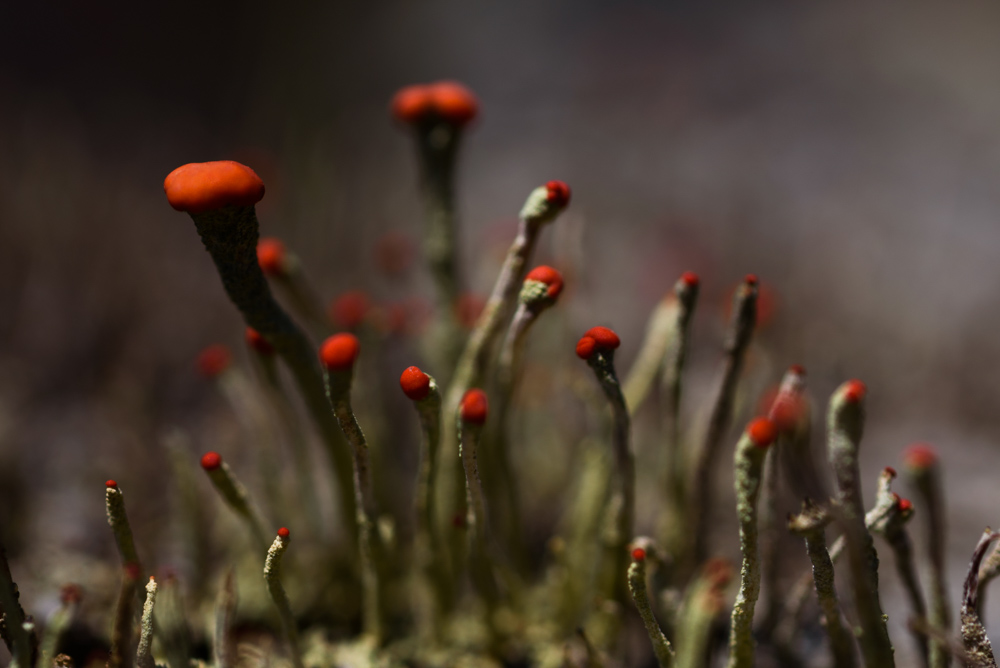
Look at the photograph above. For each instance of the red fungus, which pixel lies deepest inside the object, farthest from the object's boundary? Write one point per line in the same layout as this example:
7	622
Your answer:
548	276
283	532
891	472
762	432
257	342
340	351
751	280
111	484
854	391
415	383
350	309
557	193
211	461
920	456
797	369
213	360
272	256
453	102
205	186
904	505
585	347
474	407
638	554
606	338
690	279
410	104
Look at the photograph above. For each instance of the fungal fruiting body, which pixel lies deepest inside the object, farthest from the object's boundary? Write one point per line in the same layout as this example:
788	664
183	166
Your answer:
199	187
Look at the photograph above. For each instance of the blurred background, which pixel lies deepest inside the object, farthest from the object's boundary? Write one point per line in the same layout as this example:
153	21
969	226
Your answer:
846	153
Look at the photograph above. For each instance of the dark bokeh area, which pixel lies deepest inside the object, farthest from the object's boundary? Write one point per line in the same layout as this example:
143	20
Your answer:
846	154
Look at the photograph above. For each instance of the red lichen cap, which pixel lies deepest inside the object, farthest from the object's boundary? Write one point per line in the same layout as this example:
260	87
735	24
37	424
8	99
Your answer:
474	407
920	457
339	352
411	103
205	186
762	432
283	532
797	369
557	193
415	383
751	279
548	276
350	309
211	461
272	256
70	594
111	484
904	505
854	391
448	100
213	360
889	471
257	342
596	338
638	554
690	279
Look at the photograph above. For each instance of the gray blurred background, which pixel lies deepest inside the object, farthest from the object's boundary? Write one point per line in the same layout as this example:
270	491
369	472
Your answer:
847	153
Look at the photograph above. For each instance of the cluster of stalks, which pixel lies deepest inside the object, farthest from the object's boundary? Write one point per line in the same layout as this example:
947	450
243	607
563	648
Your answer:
460	580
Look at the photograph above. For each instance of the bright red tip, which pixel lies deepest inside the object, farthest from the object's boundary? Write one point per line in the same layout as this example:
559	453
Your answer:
751	279
410	104
797	369
690	279
854	391
920	456
211	461
548	276
557	193
340	351
638	554
205	186
257	342
350	309
904	505
474	407
271	256
585	347
890	471
762	432
213	360
447	100
415	383
283	532
605	337
111	484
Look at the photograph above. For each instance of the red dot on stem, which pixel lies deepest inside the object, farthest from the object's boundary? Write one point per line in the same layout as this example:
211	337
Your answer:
211	461
920	456
585	347
638	554
797	369
415	383
258	343
475	407
548	276
213	360
854	391
340	351
272	256
891	472
283	532
111	484
762	432
557	193
690	279
606	338
904	505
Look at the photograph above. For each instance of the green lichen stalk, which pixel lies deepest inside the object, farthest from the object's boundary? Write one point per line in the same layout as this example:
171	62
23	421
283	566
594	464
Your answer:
272	576
144	653
640	595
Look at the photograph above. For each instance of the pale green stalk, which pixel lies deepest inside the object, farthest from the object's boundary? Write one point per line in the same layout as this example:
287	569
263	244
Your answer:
640	595
144	653
272	576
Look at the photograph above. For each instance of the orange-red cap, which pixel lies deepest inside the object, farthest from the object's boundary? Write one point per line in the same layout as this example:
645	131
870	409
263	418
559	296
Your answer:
557	193
211	461
762	432
339	352
257	342
198	187
596	338
638	554
855	391
548	276
283	532
448	100
474	407
415	383
920	456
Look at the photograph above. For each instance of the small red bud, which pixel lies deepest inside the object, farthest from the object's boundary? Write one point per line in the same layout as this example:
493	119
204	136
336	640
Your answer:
271	256
751	280
920	457
415	383
690	279
585	347
557	193
904	505
606	338
339	352
548	276
797	369
411	104
213	360
258	343
762	432
854	391
349	309
891	472
283	532
474	407
211	461
638	554
111	484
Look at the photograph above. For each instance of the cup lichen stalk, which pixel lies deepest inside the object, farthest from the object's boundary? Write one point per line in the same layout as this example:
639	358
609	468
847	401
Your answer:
144	653
925	474
118	521
543	205
748	465
422	389
674	482
811	524
220	198
640	595
285	270
891	525
121	631
272	576
845	425
974	639
236	497
338	354
743	319
19	639
597	347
